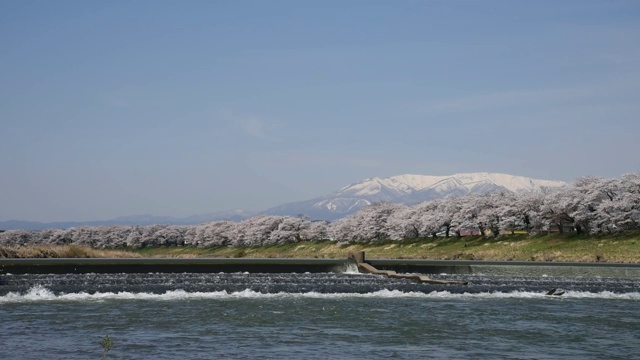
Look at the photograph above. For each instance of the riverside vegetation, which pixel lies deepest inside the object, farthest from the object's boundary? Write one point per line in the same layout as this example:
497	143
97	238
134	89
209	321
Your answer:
619	248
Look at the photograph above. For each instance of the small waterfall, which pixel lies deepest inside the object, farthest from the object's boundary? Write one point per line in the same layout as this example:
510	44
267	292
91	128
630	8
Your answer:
352	268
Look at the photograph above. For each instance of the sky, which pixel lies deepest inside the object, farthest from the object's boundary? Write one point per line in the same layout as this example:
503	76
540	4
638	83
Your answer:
177	108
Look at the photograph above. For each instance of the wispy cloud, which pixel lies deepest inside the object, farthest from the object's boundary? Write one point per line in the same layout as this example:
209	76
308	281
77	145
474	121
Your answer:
252	125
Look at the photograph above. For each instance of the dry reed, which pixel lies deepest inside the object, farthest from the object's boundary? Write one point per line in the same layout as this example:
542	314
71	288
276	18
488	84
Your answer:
62	251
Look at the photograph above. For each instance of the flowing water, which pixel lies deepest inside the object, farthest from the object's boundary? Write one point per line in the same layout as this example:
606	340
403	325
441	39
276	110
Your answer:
320	316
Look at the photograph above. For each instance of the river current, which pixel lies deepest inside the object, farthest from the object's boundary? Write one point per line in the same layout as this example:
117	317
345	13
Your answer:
319	316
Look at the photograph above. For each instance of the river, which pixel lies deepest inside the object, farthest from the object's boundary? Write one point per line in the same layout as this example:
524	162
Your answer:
319	316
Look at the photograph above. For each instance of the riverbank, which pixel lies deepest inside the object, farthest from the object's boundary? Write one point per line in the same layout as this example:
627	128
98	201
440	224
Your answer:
619	248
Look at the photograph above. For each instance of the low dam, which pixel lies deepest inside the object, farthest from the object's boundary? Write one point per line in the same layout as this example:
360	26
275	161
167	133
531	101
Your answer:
461	268
169	265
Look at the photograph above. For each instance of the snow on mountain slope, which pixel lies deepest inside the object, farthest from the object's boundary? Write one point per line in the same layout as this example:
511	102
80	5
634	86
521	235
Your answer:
408	189
388	189
408	184
341	204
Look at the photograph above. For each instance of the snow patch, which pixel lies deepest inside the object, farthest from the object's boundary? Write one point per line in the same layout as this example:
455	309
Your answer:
409	183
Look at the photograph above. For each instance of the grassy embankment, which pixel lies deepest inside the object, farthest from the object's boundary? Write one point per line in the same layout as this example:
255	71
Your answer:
62	251
553	247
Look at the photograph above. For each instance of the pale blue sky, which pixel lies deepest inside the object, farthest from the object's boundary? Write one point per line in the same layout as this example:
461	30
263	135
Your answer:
113	108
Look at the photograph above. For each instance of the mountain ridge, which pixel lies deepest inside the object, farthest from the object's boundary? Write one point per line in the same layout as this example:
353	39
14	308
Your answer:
407	189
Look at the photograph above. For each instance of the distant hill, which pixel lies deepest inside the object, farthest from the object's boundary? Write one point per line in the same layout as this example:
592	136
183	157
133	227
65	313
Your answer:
141	220
406	189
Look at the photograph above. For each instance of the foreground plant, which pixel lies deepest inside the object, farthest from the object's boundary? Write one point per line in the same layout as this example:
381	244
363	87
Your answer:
106	344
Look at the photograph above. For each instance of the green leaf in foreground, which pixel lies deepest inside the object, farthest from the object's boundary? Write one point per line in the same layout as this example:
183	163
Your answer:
106	344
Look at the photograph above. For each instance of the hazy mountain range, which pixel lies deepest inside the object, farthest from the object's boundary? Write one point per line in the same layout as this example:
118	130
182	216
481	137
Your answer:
407	189
234	215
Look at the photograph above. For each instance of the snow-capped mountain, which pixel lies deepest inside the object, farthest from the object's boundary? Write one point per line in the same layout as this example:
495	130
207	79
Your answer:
407	189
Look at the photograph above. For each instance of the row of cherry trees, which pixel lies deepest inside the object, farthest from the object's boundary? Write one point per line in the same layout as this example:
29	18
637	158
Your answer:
593	205
257	231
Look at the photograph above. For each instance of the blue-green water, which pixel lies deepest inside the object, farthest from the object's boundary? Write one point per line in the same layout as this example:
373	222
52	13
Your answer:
317	316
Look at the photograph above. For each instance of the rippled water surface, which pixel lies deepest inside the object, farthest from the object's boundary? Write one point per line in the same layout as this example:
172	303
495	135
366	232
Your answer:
317	316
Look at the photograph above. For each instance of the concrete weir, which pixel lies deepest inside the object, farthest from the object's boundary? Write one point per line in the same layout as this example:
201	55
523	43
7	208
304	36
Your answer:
168	265
367	268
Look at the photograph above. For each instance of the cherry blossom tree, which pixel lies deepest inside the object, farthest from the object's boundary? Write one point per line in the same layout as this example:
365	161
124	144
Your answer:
257	230
368	224
405	223
555	209
620	208
289	230
315	231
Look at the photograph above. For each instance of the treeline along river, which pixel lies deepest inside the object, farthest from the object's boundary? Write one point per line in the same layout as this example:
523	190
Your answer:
502	313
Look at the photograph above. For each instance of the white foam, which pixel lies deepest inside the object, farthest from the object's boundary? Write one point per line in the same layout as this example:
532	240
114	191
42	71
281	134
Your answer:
352	269
39	293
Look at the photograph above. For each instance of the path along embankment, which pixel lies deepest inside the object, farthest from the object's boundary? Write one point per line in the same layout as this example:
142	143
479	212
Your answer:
212	265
